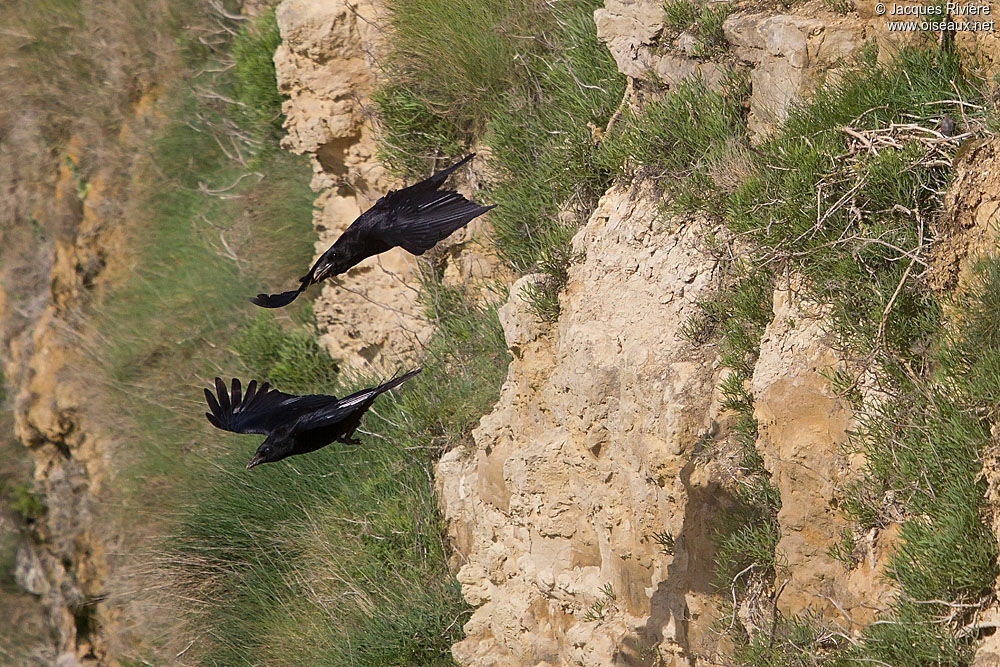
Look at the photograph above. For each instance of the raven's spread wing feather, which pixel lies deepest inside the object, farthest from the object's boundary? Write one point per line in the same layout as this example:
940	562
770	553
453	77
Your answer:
426	218
395	198
260	409
345	407
417	243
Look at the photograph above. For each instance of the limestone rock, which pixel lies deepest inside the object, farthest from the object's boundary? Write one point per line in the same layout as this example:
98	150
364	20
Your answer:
520	324
789	56
972	205
587	456
28	572
803	426
632	31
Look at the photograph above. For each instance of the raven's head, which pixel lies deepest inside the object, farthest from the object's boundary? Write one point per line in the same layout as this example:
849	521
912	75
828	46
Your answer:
335	261
275	447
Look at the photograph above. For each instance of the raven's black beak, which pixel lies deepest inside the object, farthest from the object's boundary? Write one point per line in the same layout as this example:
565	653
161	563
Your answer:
256	460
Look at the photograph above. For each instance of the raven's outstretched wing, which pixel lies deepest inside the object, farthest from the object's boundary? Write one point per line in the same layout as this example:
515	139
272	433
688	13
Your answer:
259	410
355	405
427	228
425	218
394	198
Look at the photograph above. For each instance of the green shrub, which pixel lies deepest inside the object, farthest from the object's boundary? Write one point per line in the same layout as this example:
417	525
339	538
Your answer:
26	502
255	87
854	221
290	359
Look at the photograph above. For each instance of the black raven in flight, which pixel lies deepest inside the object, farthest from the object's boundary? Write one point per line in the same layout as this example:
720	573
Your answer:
292	424
414	218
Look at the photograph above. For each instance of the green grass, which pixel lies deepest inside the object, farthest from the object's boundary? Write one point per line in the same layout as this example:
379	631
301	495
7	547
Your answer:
926	448
288	358
690	141
680	14
197	258
794	644
461	57
410	134
543	157
537	117
24	501
338	557
254	88
702	20
851	221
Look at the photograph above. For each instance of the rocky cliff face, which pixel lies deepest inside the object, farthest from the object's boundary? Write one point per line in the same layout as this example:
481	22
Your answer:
609	433
67	561
582	517
327	64
590	453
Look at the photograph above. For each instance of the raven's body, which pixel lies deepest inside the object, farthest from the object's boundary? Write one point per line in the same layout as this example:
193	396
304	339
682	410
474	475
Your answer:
414	218
293	424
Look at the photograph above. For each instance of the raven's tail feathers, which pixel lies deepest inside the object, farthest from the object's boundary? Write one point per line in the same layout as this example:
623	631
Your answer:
395	382
364	398
283	299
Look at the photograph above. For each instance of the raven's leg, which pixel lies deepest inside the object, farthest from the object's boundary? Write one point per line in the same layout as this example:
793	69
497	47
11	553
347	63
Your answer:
352	423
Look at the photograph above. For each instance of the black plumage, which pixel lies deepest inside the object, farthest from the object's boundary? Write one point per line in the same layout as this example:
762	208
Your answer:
293	424
414	218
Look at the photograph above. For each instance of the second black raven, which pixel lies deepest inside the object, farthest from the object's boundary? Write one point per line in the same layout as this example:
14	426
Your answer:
414	218
292	424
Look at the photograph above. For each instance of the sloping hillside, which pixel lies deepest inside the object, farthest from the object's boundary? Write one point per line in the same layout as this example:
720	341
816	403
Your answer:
714	383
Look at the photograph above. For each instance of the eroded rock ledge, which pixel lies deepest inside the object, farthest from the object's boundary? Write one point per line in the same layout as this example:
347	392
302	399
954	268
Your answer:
590	452
609	432
370	318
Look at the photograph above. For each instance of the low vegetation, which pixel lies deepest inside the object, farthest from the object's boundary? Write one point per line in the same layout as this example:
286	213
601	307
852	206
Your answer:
541	119
853	181
335	558
703	20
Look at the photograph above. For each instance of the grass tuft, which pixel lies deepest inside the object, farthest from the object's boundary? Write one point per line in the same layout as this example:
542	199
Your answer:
288	358
843	194
703	20
462	56
683	139
254	88
540	117
410	133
